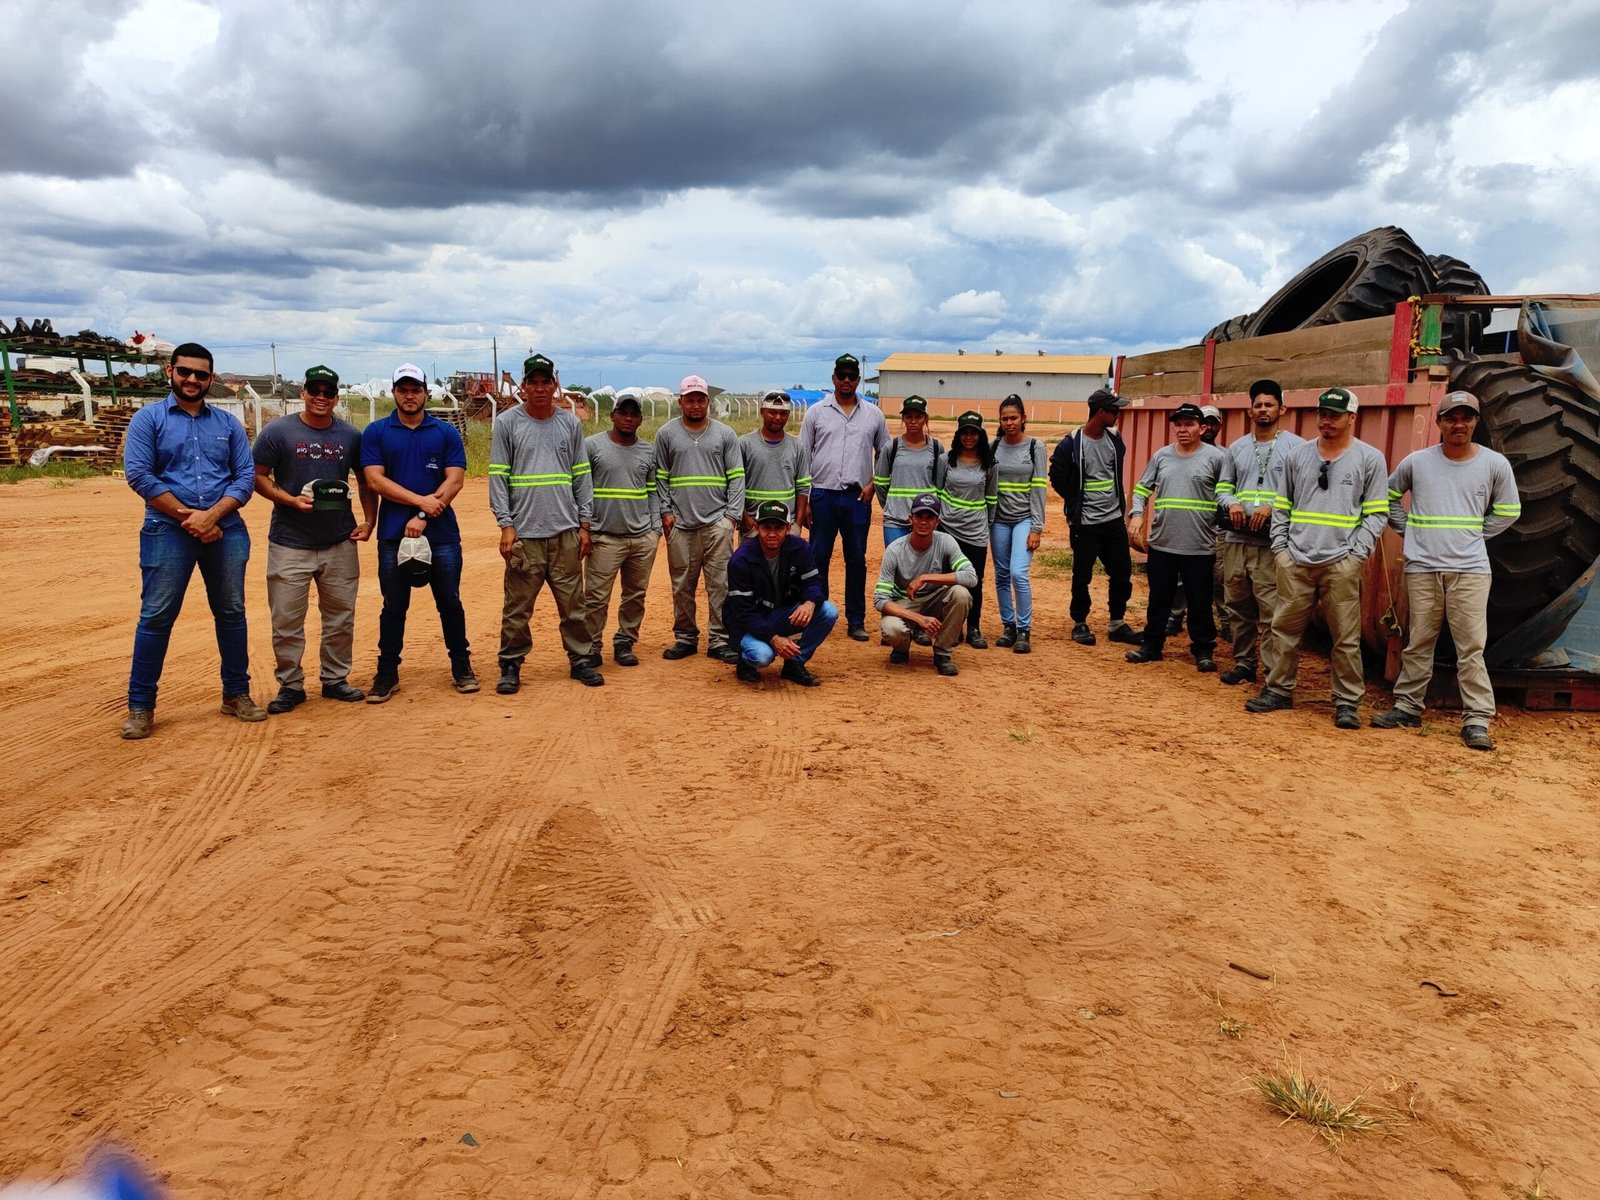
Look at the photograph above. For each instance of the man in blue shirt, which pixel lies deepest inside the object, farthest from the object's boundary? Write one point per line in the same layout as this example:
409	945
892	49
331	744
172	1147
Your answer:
417	465
191	463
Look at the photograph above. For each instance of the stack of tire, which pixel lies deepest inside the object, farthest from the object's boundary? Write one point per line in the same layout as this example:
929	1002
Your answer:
1549	430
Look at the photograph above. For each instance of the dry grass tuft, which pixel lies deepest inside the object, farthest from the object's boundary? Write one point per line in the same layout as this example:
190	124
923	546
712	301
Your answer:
1300	1099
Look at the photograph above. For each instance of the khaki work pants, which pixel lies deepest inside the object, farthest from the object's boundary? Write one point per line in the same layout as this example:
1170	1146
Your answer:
336	570
1463	600
691	553
1250	596
949	604
611	555
1339	586
535	562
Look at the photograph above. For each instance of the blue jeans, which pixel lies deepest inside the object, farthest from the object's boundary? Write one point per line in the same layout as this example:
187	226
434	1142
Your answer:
834	513
760	654
445	581
1012	558
167	559
893	533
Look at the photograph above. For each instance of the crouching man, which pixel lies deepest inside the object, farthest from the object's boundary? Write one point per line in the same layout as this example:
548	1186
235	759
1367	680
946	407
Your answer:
776	607
924	582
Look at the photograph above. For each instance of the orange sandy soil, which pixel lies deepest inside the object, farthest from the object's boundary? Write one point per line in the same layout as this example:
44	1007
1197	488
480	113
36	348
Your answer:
900	936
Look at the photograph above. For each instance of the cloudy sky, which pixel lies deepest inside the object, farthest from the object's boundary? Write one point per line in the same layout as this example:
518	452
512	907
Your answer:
745	190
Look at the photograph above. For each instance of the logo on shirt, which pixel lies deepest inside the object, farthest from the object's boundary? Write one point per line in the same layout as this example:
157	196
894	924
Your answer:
433	464
319	451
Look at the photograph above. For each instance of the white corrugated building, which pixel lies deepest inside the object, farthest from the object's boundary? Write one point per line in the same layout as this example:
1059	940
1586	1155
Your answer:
1053	386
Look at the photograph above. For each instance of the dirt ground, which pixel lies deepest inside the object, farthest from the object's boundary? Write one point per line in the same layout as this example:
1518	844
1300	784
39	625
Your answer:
899	936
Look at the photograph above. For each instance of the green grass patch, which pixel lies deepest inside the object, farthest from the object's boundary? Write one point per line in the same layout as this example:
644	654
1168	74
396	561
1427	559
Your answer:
55	470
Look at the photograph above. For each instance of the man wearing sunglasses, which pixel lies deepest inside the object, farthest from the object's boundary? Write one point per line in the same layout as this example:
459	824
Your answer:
303	465
1326	519
842	437
191	463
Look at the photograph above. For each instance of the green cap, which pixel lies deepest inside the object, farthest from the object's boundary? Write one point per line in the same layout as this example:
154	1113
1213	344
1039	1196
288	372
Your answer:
772	510
320	374
532	365
969	420
328	495
913	404
847	362
1338	399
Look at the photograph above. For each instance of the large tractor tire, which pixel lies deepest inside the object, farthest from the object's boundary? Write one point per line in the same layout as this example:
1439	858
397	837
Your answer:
1230	330
1365	277
1458	328
1547	430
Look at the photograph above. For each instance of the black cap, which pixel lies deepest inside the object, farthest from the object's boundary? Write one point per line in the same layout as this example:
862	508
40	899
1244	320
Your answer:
321	374
847	363
772	510
628	403
1266	387
535	363
1105	398
969	420
913	404
927	502
1192	411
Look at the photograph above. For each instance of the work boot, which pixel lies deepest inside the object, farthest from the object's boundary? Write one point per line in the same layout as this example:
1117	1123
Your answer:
1395	718
622	654
746	672
341	691
679	650
1143	655
976	640
919	635
1174	625
1007	638
944	663
383	687
1126	634
858	633
1237	674
1476	737
1024	644
242	707
287	698
1346	717
583	670
139	724
899	655
1083	635
795	672
723	654
1268	701
463	676
510	678
1206	666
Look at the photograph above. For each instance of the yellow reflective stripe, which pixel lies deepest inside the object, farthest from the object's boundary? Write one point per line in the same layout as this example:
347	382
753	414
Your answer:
1333	520
621	493
1180	502
1099	485
1425	521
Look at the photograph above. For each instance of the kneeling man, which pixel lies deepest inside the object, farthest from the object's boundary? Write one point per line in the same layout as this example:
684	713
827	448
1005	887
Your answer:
776	607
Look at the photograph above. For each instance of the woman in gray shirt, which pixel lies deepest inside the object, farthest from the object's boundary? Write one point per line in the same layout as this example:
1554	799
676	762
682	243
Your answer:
969	497
1020	473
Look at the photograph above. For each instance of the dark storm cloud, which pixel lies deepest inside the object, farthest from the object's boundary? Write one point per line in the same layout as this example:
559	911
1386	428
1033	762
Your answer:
408	106
57	122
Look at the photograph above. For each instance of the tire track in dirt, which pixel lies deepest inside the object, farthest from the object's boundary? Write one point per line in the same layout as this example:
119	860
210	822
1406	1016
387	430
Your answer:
174	845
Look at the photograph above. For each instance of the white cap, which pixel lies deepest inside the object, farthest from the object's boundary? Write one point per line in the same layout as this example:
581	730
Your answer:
1211	411
409	371
693	383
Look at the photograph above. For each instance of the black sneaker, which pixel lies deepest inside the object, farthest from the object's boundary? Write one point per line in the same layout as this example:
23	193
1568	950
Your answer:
899	655
858	633
1007	638
510	679
1206	666
341	691
465	680
1346	717
1024	643
746	672
1126	634
1476	737
1268	701
1142	655
679	650
944	664
622	654
976	640
288	699
1395	718
723	654
1083	635
1237	674
795	672
583	670
383	687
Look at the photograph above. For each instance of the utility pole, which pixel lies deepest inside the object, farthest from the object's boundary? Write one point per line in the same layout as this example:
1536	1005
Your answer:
495	342
274	346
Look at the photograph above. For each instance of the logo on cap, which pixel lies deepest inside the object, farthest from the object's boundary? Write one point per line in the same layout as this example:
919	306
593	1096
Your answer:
538	364
970	420
1186	411
777	400
769	511
1338	399
913	404
693	383
321	374
409	371
927	502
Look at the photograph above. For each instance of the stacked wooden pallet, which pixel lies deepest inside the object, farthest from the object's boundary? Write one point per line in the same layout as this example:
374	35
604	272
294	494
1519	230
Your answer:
109	430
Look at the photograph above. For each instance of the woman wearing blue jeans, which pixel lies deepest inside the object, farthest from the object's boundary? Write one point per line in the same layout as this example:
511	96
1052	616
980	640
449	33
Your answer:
1018	522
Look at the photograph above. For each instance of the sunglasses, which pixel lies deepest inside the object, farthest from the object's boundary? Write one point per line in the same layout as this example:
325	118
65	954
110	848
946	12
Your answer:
323	391
191	372
1322	475
846	375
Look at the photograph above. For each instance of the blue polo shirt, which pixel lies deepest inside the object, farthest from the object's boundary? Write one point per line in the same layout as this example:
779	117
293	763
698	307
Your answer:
416	459
199	459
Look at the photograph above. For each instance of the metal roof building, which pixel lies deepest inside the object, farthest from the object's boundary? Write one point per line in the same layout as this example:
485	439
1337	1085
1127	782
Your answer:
1053	386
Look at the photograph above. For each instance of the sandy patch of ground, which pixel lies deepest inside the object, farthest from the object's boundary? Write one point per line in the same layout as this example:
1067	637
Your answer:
899	936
